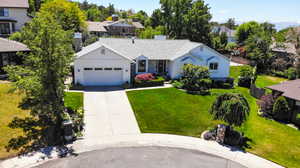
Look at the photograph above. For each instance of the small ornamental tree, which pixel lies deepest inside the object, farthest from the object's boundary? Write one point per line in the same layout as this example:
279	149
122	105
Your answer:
196	78
247	76
281	110
231	108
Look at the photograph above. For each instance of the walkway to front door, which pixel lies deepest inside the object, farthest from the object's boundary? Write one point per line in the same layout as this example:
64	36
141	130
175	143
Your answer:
107	113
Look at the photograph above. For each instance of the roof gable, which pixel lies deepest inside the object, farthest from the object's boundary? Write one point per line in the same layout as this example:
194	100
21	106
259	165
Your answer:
86	53
14	4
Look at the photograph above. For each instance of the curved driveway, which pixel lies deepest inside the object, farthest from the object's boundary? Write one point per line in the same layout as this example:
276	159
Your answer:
143	157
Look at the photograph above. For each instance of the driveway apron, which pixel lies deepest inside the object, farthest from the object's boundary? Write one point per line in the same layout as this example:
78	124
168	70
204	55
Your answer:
107	113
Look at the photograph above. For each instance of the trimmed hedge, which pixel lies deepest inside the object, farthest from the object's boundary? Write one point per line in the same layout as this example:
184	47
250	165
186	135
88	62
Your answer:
226	83
159	81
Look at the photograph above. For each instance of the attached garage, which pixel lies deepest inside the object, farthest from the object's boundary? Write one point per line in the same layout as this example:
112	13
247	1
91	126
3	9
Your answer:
101	67
102	76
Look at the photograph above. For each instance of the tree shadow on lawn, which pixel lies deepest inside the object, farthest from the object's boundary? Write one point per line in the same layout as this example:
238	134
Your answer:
244	144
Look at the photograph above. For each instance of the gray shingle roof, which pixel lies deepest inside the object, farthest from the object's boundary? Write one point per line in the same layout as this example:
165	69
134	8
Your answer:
14	3
138	25
11	46
153	49
96	26
284	47
290	89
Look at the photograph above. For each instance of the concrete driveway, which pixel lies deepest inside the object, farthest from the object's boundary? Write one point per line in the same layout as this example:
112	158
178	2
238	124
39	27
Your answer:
143	157
107	113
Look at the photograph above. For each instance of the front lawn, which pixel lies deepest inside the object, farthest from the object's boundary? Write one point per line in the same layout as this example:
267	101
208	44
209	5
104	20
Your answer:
9	103
74	100
9	109
176	112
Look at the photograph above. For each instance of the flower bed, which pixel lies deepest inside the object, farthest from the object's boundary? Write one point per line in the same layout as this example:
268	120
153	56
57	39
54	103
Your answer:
148	80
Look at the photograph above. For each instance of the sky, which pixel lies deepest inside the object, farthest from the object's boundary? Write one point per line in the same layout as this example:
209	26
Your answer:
241	10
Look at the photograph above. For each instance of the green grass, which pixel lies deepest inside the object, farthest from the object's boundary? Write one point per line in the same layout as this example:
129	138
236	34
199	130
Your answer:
9	109
261	81
171	111
74	100
175	112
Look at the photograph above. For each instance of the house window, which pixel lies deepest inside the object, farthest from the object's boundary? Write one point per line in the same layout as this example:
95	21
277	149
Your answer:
142	66
117	69
108	69
88	69
98	69
213	66
4	12
4	28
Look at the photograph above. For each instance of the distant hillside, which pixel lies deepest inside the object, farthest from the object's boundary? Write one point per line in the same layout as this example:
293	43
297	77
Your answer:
283	25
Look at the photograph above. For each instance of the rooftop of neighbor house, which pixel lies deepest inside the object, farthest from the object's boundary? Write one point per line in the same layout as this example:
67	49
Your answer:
289	48
14	4
290	89
100	26
11	46
223	29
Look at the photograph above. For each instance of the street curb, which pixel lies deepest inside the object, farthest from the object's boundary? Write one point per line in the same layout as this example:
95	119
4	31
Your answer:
161	140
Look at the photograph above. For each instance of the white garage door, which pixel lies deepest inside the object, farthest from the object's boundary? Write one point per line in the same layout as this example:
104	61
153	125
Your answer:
103	76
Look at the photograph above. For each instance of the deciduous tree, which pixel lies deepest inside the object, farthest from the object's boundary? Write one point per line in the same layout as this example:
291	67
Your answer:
42	78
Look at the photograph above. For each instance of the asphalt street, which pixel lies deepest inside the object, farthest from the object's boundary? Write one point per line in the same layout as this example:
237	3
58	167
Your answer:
142	157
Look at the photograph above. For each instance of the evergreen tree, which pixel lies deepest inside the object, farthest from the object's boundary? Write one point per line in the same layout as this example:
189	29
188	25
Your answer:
198	27
42	78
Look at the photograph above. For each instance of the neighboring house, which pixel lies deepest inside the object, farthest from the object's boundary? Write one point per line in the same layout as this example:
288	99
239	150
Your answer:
290	90
8	50
286	51
114	28
13	16
230	33
112	61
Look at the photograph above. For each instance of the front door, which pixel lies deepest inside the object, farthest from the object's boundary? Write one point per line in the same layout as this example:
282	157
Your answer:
161	66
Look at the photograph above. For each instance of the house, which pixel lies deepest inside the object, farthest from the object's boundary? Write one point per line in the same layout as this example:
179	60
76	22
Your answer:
291	91
286	52
8	50
13	16
114	28
112	61
223	29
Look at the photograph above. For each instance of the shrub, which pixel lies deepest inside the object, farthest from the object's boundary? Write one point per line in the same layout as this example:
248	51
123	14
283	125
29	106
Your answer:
291	73
266	103
196	78
281	110
224	83
144	77
279	74
177	84
231	46
247	76
231	108
148	80
232	137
